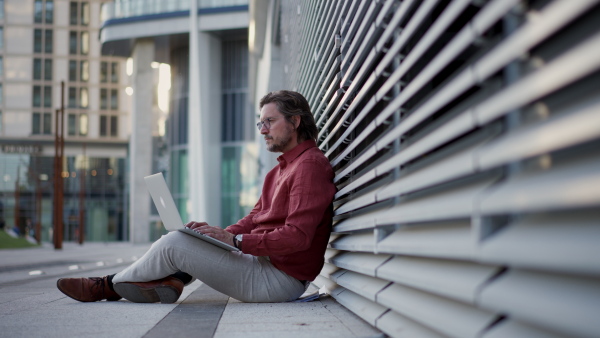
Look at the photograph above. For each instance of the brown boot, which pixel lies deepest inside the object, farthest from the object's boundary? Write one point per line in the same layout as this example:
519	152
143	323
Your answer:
90	289
166	291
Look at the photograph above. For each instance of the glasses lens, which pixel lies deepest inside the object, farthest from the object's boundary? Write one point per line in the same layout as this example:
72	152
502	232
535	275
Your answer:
259	125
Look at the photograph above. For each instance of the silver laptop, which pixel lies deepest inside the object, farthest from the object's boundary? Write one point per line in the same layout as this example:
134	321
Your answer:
170	215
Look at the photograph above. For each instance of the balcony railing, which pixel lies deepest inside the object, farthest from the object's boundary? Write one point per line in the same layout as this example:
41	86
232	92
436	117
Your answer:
133	8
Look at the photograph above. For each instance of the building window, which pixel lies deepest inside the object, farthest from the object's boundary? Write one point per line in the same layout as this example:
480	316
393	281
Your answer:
72	42
73	13
84	70
72	97
77	125
37	96
37	69
42	70
85	43
37	40
48	41
1	37
49	11
83	98
114	99
103	125
48	96
48	69
78	97
72	125
114	72
1	64
1	9
103	98
113	126
41	123
72	70
109	126
85	13
103	71
45	39
36	124
38	11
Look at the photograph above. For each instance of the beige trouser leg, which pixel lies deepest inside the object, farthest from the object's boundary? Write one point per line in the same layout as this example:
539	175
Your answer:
241	276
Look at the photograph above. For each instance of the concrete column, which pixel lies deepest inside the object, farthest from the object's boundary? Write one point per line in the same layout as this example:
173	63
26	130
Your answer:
140	144
204	126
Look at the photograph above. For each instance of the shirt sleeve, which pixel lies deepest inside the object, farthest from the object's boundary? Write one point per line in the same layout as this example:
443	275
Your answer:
310	194
245	225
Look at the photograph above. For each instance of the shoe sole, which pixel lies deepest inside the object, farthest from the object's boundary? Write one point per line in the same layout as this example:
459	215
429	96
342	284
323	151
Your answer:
137	294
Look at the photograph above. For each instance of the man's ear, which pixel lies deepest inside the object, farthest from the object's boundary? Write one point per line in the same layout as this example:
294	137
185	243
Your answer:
296	121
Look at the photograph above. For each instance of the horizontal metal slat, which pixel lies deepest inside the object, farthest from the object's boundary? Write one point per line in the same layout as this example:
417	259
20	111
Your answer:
577	126
365	263
448	240
355	242
362	222
569	305
456	165
363	285
573	65
359	39
514	329
459	280
563	243
417	19
453	128
328	269
569	186
453	204
366	309
540	26
447	316
324	283
397	325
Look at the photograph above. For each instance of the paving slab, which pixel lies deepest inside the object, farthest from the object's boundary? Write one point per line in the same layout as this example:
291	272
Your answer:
32	306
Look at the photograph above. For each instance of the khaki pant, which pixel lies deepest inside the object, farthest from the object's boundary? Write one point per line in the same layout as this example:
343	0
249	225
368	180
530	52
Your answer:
241	276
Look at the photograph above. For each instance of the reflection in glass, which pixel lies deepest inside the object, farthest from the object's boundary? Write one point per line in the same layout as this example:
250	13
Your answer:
84	71
83	97
85	43
83	124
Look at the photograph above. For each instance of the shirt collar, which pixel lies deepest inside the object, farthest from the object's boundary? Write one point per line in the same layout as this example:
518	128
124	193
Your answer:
291	155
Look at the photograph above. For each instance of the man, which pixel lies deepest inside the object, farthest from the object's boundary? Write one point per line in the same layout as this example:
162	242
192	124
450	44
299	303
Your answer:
282	240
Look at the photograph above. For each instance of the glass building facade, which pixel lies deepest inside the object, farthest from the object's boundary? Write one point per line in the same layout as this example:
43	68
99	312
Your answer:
26	196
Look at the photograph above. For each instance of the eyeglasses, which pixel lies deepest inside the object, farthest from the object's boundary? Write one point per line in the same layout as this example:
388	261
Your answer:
266	123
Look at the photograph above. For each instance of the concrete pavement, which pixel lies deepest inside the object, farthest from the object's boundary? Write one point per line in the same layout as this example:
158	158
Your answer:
31	306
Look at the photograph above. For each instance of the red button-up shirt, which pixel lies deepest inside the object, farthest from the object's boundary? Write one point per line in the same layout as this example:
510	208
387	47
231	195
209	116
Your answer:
291	221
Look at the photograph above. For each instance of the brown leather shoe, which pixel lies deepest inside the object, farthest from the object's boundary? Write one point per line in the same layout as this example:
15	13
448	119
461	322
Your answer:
90	289
166	291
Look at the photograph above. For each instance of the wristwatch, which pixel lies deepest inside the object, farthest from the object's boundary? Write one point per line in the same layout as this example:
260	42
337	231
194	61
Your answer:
237	239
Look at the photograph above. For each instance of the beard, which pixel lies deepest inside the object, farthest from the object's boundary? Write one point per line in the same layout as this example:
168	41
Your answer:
279	144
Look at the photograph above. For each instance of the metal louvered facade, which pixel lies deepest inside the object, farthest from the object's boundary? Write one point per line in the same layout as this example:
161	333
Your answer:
465	137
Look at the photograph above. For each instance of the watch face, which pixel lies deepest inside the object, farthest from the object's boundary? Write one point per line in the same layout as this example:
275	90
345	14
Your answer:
238	238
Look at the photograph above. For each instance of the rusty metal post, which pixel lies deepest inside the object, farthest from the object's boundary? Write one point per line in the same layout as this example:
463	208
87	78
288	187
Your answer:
59	149
38	210
82	176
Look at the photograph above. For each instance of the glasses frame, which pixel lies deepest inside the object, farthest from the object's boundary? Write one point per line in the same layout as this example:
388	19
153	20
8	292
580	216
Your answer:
266	122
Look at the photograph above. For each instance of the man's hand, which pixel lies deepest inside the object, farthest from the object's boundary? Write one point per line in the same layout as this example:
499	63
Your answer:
211	231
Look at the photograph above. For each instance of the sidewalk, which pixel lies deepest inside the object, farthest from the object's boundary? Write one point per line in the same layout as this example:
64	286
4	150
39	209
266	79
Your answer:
30	304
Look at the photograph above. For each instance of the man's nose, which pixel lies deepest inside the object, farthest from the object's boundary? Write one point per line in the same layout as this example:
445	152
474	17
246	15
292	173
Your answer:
263	129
